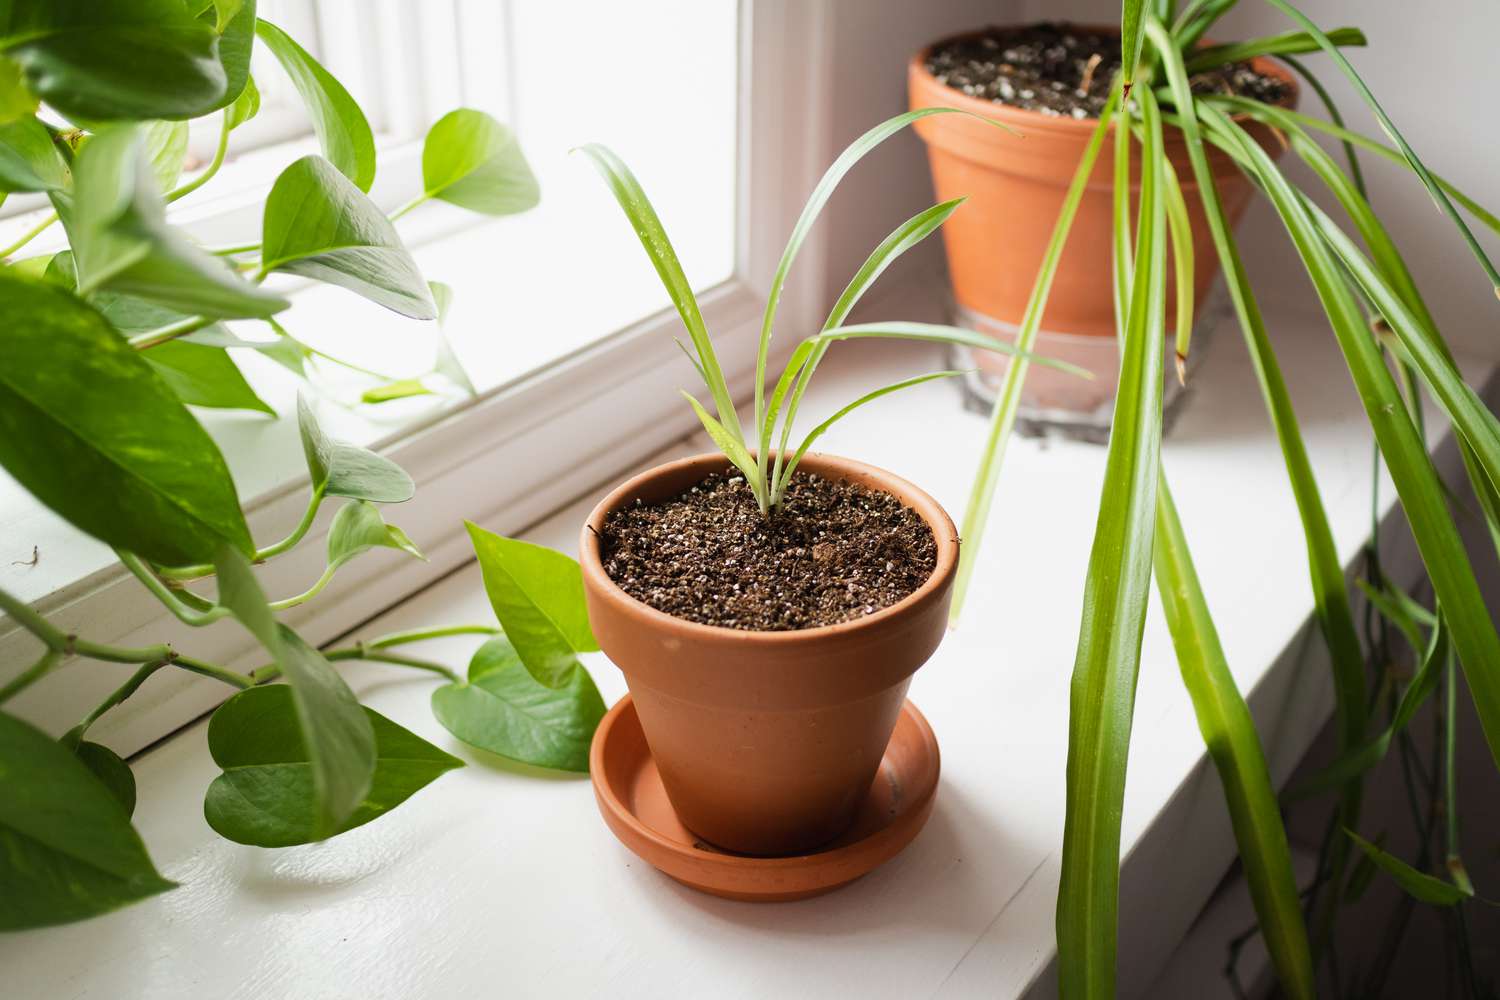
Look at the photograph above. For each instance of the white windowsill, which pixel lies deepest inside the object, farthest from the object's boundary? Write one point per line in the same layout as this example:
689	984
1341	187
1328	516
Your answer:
497	879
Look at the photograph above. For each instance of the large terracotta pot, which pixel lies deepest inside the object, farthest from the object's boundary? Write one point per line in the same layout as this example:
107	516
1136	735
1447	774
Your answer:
767	742
1015	186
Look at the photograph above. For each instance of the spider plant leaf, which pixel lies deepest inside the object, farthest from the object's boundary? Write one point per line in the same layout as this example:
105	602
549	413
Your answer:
817	431
1417	483
738	455
1350	765
1234	745
1132	13
815	202
1180	229
1287	43
1255	109
1196	18
1356	173
1462	405
1418	885
1008	399
648	228
1330	594
902	238
1116	592
939	333
1389	127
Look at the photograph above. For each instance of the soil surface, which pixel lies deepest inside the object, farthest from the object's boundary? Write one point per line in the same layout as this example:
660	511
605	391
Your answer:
1064	70
835	552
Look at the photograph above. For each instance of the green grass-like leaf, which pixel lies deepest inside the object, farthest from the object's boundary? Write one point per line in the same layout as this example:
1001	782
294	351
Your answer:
1115	597
1008	399
1234	745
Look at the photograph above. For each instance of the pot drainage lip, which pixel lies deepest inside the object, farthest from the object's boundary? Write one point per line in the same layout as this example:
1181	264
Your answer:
634	805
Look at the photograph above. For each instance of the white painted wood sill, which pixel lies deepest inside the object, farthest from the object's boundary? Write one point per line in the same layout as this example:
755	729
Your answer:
499	881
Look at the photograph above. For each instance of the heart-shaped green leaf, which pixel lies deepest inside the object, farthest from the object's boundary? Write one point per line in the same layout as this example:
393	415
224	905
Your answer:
341	126
166	145
474	162
113	773
265	795
447	363
234	20
537	594
345	470
67	849
245	107
104	60
157	485
15	100
502	709
319	225
337	741
358	527
121	242
205	376
29	160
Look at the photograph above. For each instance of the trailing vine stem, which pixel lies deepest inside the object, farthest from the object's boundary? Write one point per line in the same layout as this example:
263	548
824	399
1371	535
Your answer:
60	645
185	573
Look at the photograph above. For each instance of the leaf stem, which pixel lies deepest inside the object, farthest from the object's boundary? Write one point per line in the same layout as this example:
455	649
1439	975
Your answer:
237	248
67	644
29	235
31	675
306	595
196	617
74	736
212	168
362	651
261	555
162	334
436	632
419	199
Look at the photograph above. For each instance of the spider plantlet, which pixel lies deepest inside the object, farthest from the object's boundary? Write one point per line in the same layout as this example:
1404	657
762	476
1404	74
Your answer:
769	477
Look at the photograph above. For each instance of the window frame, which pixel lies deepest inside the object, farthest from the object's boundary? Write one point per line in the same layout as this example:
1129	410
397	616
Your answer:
517	452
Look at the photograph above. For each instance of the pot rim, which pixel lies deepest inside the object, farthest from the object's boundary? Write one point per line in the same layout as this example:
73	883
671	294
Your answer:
1025	118
944	533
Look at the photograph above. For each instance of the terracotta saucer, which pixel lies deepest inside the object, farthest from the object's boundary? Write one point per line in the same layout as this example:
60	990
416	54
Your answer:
634	804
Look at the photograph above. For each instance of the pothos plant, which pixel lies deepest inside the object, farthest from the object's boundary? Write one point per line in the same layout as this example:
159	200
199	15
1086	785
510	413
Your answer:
1396	356
752	454
105	345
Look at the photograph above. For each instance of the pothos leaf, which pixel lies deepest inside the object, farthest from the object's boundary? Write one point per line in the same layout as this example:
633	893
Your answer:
503	709
337	740
67	849
266	795
537	594
319	225
158	485
341	126
105	60
346	470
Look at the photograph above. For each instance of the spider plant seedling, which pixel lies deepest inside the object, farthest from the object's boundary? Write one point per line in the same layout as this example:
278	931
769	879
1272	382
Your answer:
767	470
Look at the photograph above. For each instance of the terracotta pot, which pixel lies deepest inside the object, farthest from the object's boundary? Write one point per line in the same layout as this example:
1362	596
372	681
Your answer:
767	742
1015	186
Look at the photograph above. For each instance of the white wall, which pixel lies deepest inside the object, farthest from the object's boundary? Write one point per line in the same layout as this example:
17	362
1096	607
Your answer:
870	43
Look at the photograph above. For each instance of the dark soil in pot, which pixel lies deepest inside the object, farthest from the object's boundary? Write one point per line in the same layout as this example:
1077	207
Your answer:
835	552
1064	70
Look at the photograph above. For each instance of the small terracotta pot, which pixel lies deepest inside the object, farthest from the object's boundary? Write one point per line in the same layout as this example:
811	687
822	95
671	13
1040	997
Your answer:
1015	186
767	742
